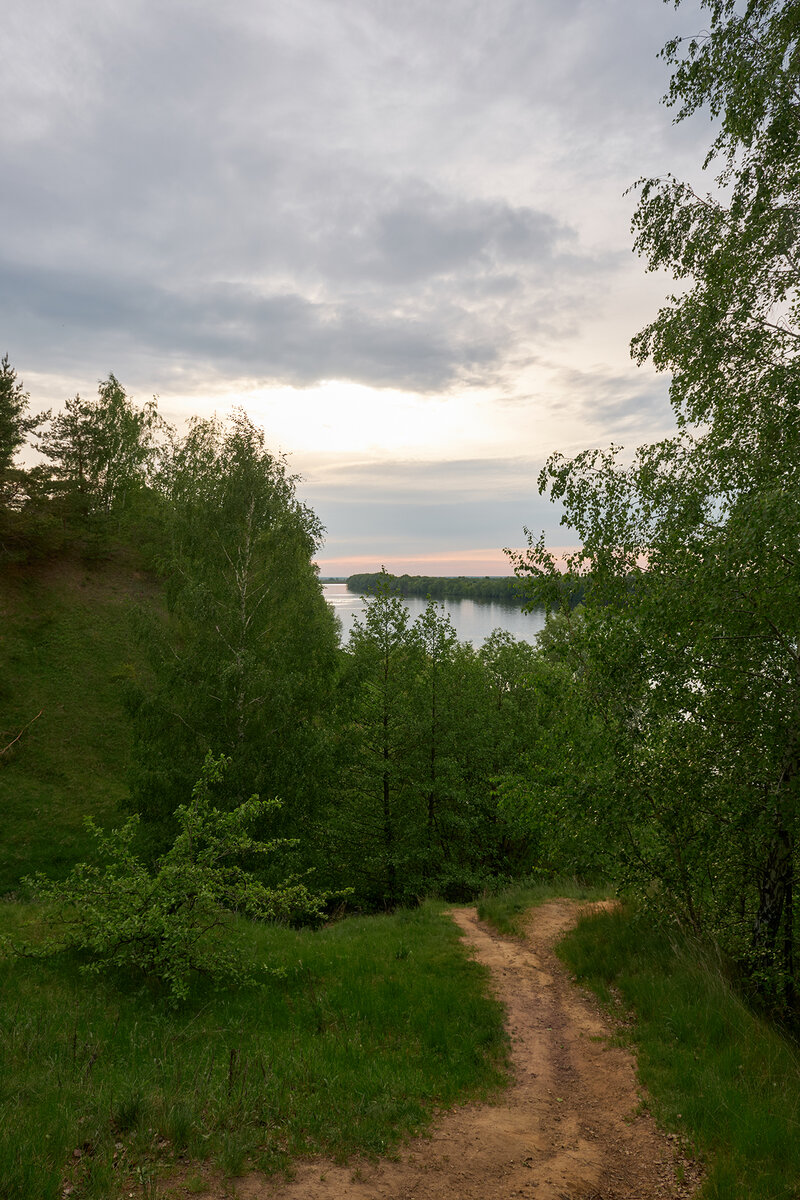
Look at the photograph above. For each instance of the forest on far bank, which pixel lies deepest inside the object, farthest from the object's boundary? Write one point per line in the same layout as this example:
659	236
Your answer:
507	589
466	587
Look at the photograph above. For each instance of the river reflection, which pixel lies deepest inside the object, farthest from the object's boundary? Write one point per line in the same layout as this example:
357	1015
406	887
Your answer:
473	620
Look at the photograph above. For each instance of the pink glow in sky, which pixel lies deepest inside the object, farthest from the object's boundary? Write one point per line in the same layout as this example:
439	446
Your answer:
461	562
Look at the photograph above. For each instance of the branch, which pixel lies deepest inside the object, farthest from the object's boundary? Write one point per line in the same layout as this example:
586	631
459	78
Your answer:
778	328
19	735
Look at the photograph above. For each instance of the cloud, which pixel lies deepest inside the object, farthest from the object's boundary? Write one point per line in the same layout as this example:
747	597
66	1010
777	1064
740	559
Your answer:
221	328
416	297
351	189
440	507
609	405
418	198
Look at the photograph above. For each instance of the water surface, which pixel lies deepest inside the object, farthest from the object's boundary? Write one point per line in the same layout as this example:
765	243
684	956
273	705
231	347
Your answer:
473	620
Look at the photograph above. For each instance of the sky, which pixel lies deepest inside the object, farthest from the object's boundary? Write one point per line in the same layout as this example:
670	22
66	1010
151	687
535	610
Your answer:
397	235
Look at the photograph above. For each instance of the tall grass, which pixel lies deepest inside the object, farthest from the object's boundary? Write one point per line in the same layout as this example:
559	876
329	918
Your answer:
724	1079
506	909
373	1023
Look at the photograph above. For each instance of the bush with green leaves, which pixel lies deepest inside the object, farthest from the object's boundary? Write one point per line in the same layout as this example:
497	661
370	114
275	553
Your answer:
173	921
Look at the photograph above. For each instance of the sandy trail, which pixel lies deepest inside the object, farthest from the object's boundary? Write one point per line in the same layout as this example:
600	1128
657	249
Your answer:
569	1128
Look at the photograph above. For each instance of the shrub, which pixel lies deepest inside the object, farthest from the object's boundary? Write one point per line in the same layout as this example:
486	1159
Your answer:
169	922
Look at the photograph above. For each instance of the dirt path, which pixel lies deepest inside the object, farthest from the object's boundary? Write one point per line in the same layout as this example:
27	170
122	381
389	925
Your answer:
569	1128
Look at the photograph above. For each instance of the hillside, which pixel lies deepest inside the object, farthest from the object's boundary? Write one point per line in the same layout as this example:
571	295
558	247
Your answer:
66	646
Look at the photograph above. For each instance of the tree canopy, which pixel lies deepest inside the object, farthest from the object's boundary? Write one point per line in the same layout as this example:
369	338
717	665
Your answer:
686	647
244	666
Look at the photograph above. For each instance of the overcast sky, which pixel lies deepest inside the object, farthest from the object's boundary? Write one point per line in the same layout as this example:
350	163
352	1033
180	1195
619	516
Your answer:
395	233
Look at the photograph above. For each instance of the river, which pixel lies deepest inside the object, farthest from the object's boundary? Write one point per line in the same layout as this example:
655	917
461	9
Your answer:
473	620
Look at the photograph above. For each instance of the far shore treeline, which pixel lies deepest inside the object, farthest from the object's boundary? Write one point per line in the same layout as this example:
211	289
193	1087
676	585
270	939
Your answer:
467	587
506	589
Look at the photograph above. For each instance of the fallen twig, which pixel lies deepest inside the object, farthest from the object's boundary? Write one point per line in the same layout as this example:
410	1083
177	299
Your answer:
19	735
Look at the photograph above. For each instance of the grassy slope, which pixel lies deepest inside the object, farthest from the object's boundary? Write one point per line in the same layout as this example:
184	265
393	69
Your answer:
65	645
724	1079
375	1020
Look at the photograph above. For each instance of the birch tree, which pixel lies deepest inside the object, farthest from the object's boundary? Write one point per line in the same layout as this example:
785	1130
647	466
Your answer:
689	644
245	664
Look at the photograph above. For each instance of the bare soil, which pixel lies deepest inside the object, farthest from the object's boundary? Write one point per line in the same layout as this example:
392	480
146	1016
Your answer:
572	1126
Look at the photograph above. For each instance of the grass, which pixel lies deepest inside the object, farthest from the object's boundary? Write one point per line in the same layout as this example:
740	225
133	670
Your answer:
107	1090
506	910
374	1022
65	646
725	1080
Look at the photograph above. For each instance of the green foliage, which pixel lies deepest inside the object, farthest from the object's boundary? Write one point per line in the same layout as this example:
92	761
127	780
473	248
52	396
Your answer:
539	721
15	426
730	337
716	1074
246	663
20	534
505	588
375	826
363	1029
685	650
170	922
102	453
431	733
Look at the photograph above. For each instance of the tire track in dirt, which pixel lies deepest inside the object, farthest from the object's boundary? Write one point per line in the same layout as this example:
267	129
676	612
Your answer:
570	1127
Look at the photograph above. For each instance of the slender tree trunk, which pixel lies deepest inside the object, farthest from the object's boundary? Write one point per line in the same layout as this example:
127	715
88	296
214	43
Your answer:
388	828
432	770
776	892
775	906
788	937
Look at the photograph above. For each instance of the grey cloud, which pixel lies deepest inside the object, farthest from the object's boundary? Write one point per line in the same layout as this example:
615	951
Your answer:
634	403
458	504
415	526
430	235
415	297
231	329
302	192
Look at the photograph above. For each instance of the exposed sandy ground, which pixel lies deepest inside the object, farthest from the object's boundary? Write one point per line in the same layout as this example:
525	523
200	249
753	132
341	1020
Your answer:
571	1126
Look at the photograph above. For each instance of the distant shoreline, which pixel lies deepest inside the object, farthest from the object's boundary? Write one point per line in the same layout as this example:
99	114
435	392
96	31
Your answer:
505	588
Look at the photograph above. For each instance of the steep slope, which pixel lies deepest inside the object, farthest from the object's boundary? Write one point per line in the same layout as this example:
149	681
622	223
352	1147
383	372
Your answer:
66	647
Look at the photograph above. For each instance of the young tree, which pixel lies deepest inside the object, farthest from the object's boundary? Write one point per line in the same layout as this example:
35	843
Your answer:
377	826
246	663
15	427
102	452
448	761
688	646
170	923
417	809
437	642
22	529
